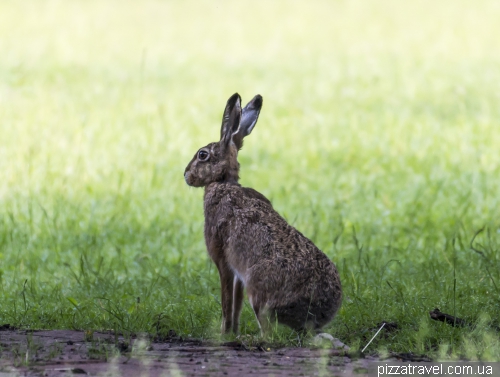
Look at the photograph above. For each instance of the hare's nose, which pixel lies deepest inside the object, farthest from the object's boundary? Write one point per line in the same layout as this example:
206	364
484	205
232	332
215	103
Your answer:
186	177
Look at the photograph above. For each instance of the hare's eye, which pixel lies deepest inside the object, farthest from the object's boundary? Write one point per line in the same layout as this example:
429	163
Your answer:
203	155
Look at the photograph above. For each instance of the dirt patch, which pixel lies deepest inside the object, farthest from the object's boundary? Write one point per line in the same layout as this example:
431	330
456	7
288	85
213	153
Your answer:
64	353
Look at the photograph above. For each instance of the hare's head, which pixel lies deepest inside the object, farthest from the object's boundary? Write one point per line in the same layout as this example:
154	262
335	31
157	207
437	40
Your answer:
217	162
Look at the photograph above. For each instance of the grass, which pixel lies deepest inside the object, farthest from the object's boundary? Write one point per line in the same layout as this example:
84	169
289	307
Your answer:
378	140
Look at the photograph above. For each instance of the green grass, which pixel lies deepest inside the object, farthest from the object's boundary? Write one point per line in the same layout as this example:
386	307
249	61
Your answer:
378	139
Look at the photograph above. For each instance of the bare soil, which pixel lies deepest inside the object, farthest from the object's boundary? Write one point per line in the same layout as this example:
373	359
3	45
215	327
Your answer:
64	353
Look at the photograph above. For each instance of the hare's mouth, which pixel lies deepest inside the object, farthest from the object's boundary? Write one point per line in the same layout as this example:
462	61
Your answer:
191	179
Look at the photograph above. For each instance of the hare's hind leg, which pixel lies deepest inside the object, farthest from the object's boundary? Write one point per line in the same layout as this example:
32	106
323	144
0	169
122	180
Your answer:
237	303
226	291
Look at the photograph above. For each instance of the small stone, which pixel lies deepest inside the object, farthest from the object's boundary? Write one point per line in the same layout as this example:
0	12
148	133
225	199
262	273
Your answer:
324	338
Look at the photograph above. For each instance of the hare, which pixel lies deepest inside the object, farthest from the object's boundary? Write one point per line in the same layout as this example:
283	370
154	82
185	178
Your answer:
287	278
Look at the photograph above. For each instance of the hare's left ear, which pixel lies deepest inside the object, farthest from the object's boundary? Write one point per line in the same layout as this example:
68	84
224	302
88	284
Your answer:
230	119
249	117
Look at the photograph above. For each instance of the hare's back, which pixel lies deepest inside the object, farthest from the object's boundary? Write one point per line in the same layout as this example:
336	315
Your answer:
258	231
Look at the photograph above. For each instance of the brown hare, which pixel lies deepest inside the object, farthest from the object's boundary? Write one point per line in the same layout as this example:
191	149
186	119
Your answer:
287	278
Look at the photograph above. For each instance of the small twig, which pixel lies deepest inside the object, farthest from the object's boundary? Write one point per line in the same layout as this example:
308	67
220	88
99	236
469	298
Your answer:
449	319
371	340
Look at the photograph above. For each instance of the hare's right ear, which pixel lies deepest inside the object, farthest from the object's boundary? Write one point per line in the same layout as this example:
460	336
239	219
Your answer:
249	117
230	119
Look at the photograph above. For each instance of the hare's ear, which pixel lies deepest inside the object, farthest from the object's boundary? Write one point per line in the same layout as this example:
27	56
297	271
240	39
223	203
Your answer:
249	117
230	119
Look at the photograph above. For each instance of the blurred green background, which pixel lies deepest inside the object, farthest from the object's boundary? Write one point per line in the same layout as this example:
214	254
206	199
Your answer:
378	139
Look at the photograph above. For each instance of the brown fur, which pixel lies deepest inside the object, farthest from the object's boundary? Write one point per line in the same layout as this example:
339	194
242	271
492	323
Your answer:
286	276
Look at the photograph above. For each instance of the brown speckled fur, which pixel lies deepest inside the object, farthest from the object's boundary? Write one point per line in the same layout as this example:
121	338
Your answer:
286	276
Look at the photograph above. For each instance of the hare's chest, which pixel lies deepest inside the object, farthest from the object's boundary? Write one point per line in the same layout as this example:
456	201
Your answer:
216	220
